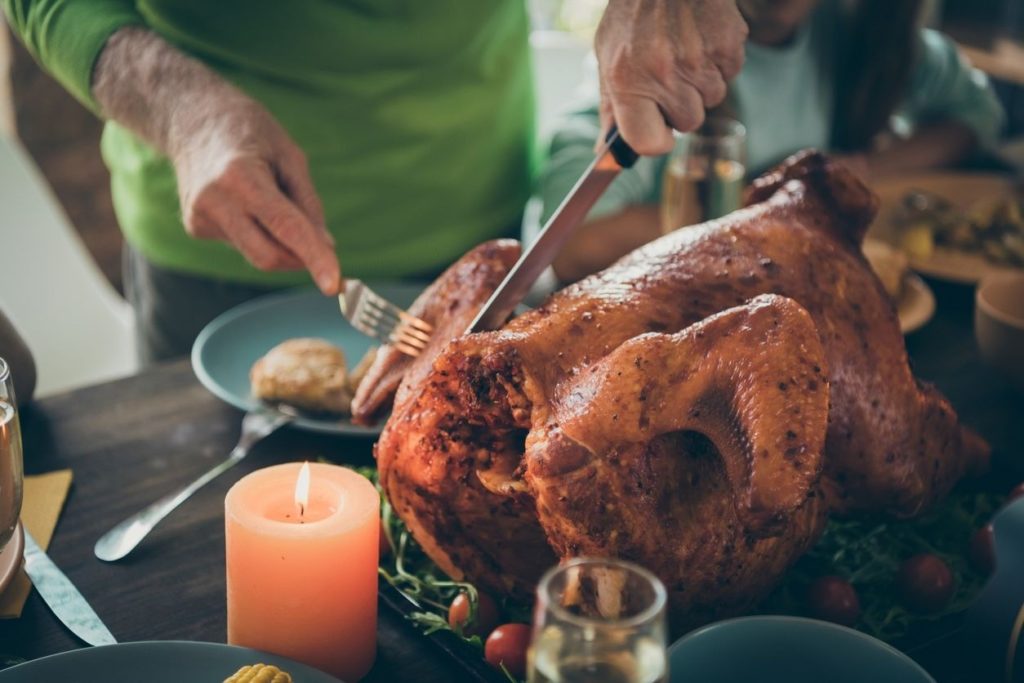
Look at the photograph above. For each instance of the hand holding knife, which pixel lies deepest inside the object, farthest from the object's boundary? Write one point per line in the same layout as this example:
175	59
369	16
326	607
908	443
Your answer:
613	156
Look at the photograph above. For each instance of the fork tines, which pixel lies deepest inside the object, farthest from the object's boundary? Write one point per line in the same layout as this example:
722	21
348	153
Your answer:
375	316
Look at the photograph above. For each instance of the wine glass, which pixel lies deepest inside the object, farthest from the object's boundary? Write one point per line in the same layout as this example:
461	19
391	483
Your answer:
10	457
703	178
598	620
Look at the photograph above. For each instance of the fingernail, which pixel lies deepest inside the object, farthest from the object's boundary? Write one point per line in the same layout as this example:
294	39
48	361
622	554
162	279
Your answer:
327	282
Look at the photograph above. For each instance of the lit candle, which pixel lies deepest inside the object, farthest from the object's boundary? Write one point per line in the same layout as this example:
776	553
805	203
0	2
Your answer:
302	544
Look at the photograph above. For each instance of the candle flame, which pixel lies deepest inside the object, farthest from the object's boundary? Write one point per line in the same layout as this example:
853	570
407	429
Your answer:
302	488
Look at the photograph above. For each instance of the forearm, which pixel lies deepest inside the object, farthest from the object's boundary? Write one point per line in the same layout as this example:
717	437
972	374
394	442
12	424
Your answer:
932	146
155	90
599	243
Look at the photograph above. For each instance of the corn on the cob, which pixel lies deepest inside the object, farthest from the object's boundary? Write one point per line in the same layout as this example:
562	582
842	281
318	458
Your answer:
259	673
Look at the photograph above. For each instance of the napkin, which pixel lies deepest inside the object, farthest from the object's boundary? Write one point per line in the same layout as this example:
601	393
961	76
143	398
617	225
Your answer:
41	506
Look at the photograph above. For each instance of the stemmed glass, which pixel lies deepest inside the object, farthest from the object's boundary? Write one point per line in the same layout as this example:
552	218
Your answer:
10	457
703	177
598	620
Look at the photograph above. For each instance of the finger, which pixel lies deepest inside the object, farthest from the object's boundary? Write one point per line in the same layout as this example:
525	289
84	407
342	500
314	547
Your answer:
728	35
293	177
258	247
710	85
685	108
293	229
642	125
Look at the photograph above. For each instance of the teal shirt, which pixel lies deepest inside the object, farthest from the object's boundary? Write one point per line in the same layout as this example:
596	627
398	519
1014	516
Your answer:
416	117
785	98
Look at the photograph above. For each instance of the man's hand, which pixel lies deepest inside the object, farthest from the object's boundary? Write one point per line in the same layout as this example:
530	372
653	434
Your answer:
662	62
241	178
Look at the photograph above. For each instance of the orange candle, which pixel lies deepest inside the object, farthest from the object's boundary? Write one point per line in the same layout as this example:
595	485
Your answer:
302	566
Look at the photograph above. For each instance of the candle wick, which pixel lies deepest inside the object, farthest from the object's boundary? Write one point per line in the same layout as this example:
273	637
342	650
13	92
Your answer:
302	513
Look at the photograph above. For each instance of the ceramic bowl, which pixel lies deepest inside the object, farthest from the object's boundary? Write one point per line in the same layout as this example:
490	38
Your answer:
999	324
788	649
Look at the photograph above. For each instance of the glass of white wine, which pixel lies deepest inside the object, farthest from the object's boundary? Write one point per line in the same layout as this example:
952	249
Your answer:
11	474
598	620
703	178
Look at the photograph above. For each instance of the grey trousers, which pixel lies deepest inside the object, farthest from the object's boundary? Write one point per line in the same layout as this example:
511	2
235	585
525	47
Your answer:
171	308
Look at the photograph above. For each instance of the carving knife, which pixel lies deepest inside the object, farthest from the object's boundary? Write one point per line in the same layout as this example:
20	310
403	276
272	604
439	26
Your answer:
613	156
60	594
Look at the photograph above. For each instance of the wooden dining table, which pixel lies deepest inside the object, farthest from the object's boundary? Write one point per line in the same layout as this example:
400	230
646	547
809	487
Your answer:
131	441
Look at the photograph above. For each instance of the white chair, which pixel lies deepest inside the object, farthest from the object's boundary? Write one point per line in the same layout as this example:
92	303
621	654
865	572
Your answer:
76	325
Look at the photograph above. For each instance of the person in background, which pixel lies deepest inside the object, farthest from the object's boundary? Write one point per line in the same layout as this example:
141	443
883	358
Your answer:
251	140
861	80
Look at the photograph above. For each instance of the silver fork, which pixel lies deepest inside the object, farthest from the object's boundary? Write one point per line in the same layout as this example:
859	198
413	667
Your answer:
122	539
376	317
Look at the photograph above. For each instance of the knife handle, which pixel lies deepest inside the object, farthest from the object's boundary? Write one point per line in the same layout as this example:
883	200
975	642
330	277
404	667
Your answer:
620	149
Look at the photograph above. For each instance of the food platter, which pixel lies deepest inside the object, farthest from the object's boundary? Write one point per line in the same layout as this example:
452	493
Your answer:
228	346
962	191
156	662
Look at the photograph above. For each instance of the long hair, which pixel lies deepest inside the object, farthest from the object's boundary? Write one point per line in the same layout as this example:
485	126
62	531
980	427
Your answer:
873	69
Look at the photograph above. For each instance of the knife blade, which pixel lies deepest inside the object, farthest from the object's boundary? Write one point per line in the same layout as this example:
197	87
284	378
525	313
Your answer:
63	598
613	156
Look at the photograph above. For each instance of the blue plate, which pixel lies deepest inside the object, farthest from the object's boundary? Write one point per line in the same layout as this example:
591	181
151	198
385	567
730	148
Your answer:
229	345
155	662
788	650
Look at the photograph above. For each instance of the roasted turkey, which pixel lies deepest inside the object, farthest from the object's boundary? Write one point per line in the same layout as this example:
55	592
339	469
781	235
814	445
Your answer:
699	407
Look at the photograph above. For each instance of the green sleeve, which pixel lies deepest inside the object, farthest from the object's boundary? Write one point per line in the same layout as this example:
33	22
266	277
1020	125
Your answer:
572	150
66	36
945	87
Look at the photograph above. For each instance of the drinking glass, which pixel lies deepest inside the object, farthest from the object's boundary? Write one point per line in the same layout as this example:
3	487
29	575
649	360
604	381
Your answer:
703	178
598	620
10	457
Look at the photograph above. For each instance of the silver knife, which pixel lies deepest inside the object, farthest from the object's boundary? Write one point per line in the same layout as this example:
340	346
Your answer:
613	156
60	594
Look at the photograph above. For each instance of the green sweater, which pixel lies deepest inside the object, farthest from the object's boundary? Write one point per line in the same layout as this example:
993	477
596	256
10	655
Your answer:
416	117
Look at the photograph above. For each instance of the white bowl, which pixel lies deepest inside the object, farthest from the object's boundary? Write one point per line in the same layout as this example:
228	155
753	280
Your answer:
999	324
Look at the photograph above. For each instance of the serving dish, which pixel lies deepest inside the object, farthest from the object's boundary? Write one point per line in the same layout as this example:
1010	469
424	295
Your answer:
999	324
791	649
155	662
962	191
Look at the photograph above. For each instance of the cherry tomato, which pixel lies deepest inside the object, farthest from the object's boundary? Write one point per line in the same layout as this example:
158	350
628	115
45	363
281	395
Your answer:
1016	492
833	598
507	646
487	615
925	582
983	550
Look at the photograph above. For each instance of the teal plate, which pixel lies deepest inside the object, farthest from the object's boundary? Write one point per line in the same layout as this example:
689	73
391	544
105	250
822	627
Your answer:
229	345
788	650
154	662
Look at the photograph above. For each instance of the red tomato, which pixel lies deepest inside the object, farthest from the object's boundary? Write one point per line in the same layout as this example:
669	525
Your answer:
507	646
1016	492
983	550
926	583
833	598
487	615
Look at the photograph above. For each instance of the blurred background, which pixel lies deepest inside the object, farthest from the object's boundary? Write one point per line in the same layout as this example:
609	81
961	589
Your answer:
63	138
